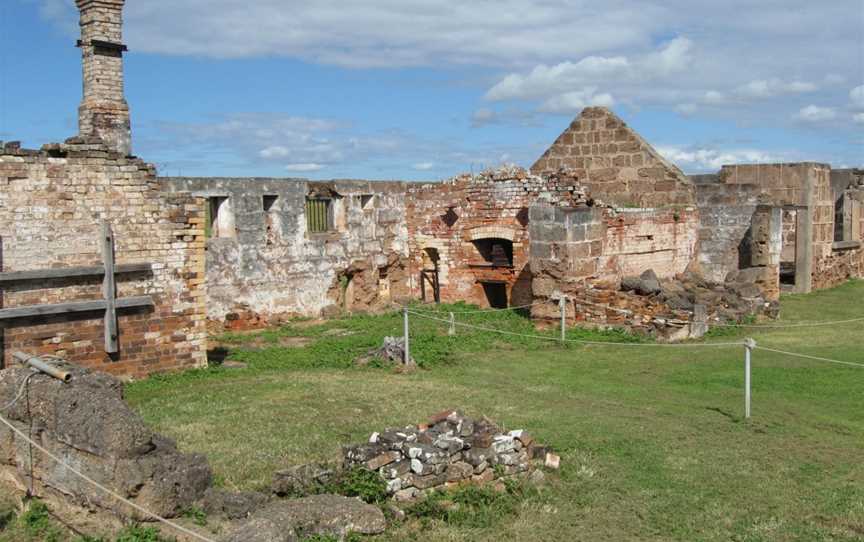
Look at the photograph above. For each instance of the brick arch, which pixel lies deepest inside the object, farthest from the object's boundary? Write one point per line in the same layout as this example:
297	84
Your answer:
492	232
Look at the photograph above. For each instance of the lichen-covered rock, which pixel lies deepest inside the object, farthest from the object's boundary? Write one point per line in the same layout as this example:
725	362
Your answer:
301	480
293	520
87	424
231	504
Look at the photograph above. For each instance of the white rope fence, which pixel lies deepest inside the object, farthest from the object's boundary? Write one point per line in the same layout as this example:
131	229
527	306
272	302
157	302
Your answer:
627	312
748	344
477	311
805	356
578	341
102	488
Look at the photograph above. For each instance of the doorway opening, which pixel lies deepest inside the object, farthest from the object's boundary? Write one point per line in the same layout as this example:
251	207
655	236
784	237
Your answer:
496	294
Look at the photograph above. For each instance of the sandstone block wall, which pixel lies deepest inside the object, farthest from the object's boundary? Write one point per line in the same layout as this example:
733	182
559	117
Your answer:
568	259
615	164
51	205
804	190
269	265
725	213
664	240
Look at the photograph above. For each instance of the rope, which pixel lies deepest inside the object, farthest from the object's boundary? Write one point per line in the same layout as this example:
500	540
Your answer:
799	324
96	484
20	392
579	341
805	356
632	313
483	310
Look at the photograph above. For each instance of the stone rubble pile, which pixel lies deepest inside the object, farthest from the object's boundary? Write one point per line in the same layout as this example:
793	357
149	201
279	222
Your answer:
450	450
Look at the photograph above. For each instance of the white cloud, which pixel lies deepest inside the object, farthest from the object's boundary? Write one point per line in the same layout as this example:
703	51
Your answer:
858	118
857	97
709	159
545	80
484	116
672	58
274	151
714	97
424	166
816	114
568	86
573	102
686	109
304	167
769	88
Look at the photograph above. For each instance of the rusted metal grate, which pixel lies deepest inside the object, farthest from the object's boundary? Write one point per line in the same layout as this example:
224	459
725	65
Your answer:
318	215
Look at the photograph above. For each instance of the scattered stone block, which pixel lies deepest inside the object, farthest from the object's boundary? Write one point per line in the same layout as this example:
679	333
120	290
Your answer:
552	461
288	521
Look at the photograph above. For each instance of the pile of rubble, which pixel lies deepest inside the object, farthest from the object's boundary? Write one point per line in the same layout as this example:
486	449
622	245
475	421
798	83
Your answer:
450	450
742	295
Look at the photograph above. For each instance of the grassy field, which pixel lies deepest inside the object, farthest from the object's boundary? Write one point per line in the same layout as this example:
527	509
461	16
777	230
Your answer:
652	440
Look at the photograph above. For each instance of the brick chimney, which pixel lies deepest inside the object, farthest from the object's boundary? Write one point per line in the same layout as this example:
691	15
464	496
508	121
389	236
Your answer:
104	111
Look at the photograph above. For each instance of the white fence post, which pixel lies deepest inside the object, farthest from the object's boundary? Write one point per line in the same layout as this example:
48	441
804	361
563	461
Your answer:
562	302
405	337
452	330
749	345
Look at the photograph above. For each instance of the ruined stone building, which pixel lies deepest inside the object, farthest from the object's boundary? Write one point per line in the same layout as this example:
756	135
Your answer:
600	207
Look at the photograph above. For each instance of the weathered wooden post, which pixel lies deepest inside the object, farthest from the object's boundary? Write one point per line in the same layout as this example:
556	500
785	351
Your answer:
452	330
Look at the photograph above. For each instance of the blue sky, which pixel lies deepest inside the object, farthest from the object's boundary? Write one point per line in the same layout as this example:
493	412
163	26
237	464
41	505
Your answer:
426	89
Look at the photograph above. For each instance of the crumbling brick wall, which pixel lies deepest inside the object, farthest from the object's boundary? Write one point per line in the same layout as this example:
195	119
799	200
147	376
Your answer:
267	264
452	219
615	164
51	205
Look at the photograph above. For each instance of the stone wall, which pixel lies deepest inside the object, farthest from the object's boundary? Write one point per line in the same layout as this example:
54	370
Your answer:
804	190
662	239
264	263
725	212
583	253
51	205
452	220
615	164
842	265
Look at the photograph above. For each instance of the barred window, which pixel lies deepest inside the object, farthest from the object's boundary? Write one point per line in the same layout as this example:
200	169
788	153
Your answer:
319	215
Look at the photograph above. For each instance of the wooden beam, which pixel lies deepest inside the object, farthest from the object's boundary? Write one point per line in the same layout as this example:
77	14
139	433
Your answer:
69	272
31	311
109	290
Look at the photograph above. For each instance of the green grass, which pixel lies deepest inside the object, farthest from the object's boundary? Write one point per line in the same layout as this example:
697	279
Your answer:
652	440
